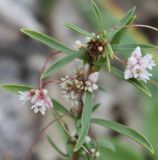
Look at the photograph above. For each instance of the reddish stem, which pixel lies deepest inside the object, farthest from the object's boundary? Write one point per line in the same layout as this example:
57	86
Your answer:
49	82
45	65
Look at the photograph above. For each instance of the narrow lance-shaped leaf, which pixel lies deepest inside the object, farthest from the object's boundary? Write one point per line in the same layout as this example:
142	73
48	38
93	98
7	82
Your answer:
78	29
120	25
109	50
59	64
138	84
15	88
141	86
55	147
106	144
108	63
49	41
133	134
116	39
98	15
95	107
131	47
59	107
85	120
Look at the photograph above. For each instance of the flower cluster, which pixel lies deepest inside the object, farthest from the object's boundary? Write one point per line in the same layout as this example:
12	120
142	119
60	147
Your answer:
73	88
138	66
94	152
94	45
38	98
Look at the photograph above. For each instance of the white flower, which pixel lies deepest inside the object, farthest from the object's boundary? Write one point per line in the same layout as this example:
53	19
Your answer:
87	139
149	61
78	45
39	106
26	96
97	154
91	82
93	150
138	65
87	39
94	77
128	74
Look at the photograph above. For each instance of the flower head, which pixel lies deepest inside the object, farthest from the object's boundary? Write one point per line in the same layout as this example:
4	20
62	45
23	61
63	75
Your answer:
138	65
74	87
38	98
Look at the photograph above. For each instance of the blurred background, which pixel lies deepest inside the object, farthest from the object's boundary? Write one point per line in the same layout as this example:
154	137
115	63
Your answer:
21	59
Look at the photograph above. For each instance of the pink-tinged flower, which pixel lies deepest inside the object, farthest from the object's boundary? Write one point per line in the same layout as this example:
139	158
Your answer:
140	73
41	101
138	65
39	106
26	96
148	61
91	82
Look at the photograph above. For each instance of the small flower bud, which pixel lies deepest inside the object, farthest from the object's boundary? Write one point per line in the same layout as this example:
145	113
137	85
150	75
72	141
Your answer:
100	48
87	139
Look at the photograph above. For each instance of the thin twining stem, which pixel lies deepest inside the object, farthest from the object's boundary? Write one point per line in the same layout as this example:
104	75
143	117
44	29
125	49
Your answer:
38	137
135	25
45	64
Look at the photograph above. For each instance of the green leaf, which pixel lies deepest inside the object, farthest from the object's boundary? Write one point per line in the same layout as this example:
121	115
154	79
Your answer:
49	41
141	86
150	119
109	50
15	88
59	107
105	144
138	84
78	29
133	134
55	147
58	64
85	121
131	47
95	107
108	63
122	151
98	15
117	33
